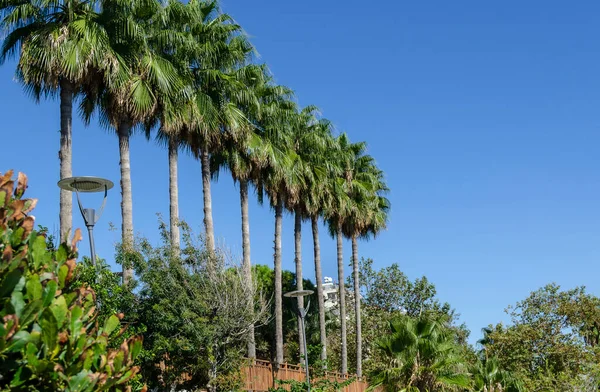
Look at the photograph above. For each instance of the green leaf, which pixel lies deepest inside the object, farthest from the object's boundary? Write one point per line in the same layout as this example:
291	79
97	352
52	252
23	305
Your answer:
111	324
135	348
3	198
118	361
10	281
18	341
38	251
22	375
49	330
62	275
59	309
76	321
16	237
30	312
81	382
61	254
17	302
49	292
34	287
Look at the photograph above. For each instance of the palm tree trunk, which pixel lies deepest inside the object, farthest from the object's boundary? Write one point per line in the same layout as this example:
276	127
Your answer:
319	279
342	302
357	306
278	288
299	278
247	264
124	131
208	219
173	197
65	156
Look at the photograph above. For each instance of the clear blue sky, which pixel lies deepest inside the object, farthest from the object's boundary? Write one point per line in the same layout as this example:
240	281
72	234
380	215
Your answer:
484	115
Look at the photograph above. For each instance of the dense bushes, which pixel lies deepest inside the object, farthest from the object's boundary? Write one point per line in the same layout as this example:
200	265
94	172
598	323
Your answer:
49	335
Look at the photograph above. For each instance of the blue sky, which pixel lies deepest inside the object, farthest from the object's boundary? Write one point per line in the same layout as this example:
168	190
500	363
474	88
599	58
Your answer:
483	115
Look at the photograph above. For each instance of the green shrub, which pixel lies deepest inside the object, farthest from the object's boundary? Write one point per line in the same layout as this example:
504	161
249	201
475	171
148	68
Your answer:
49	335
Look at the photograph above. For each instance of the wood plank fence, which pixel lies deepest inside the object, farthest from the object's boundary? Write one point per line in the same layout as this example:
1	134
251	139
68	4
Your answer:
260	376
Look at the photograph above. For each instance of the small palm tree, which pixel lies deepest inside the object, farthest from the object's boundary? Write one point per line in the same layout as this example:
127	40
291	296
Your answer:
420	354
489	377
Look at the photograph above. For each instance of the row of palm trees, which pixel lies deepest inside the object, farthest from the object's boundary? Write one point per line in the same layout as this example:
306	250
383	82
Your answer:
188	72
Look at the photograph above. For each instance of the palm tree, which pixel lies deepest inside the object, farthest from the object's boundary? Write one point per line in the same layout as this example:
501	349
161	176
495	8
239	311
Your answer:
311	141
281	173
336	213
136	31
319	154
489	377
367	216
221	72
419	355
60	46
243	153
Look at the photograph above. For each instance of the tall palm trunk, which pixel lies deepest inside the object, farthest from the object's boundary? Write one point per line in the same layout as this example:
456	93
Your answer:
65	156
357	306
341	280
319	279
299	278
173	196
208	219
124	131
278	288
247	266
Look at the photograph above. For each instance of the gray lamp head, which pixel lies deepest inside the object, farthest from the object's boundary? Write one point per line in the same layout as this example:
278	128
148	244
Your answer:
298	293
85	184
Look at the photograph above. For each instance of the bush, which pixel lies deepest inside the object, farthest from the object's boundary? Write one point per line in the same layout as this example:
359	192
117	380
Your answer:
50	338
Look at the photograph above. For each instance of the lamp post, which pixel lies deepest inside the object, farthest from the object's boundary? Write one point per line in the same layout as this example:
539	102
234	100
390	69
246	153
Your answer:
90	216
302	314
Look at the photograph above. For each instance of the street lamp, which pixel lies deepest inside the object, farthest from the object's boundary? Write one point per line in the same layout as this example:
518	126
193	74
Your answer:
90	216
302	314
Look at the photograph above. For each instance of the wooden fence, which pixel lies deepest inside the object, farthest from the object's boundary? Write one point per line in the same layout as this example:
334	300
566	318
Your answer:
261	376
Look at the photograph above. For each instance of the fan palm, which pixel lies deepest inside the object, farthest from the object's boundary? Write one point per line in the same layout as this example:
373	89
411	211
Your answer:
336	212
221	72
60	46
318	152
489	377
137	32
420	355
281	172
367	216
243	154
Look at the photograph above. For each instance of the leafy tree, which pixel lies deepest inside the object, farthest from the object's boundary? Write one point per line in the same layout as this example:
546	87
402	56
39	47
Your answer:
548	344
265	337
420	355
195	312
51	338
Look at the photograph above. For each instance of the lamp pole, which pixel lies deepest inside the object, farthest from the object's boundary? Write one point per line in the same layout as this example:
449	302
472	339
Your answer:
90	216
302	312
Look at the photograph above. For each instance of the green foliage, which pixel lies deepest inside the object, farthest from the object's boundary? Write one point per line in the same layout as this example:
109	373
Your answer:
551	344
420	354
488	376
195	312
265	335
319	385
50	337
